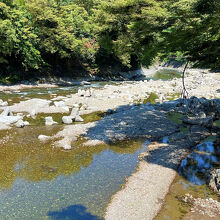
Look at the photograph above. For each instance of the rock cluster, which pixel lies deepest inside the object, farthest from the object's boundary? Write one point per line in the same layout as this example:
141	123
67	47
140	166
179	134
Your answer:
214	180
205	207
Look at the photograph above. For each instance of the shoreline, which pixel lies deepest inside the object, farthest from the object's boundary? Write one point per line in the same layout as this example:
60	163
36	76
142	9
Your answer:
143	195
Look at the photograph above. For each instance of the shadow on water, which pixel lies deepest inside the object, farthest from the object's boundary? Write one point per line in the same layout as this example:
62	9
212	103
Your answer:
74	212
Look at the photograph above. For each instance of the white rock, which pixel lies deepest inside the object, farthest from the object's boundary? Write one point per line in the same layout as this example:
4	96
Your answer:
7	112
49	121
67	120
75	105
78	119
74	113
33	114
84	107
66	108
30	105
59	104
81	92
88	93
43	137
4	104
26	123
19	124
9	119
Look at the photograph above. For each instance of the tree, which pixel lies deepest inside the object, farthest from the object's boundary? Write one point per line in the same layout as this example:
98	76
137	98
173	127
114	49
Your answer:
130	28
194	29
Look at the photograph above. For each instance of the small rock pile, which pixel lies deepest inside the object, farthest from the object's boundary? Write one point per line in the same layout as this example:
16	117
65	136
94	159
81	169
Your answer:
208	207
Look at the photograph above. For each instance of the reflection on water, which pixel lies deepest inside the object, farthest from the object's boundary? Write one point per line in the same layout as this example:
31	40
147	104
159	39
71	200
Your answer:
204	157
39	181
191	180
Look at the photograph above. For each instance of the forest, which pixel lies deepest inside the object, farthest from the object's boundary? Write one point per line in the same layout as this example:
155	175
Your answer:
45	35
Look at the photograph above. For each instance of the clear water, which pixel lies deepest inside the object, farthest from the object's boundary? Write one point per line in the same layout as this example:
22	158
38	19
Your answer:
38	181
45	93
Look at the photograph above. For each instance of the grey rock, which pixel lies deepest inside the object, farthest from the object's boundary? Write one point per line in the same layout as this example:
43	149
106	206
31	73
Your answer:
207	122
85	83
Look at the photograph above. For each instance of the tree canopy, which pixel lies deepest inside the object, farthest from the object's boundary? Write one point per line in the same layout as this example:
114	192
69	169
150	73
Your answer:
35	35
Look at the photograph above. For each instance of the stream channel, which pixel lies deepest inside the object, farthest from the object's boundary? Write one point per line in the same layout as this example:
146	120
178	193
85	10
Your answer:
39	181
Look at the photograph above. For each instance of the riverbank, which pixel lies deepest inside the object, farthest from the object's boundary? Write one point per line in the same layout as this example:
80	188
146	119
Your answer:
130	109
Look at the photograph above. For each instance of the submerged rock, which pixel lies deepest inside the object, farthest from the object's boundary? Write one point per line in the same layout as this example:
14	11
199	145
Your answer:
202	208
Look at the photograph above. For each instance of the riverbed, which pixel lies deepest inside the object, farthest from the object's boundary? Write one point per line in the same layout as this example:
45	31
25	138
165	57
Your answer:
42	181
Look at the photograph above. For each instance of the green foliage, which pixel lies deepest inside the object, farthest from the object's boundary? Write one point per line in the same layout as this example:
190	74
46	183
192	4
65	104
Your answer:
127	28
37	34
194	28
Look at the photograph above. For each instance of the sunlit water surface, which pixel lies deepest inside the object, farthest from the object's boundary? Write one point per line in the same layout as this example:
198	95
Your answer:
39	181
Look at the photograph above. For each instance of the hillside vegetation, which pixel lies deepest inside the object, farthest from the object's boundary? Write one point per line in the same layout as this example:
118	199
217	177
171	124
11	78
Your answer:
86	34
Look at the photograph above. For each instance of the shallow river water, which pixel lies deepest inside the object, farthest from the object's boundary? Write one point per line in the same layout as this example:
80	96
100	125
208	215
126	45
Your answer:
38	181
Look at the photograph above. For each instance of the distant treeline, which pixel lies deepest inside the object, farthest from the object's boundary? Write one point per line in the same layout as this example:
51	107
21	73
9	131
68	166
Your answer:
37	35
